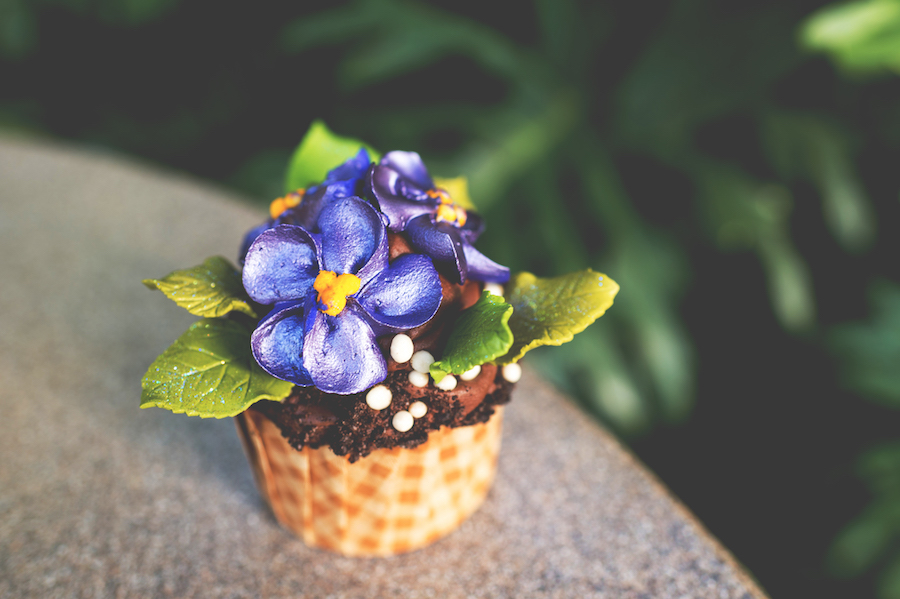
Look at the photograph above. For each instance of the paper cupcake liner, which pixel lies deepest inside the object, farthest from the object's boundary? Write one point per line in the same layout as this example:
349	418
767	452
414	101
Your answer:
389	502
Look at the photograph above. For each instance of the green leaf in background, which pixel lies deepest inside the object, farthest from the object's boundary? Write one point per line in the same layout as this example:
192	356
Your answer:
864	540
409	36
871	535
871	350
653	271
553	311
210	290
210	372
521	143
815	148
481	334
744	213
879	467
319	152
337	27
870	365
678	84
18	29
889	579
859	35
132	12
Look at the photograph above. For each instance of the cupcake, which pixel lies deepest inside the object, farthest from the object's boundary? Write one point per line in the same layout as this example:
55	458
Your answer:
366	348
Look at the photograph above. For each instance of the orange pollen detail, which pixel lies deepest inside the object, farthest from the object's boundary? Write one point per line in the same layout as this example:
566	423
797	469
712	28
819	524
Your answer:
439	194
461	216
333	290
446	213
291	200
451	213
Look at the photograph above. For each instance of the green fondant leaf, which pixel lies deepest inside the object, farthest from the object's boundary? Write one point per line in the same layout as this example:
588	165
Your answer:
210	372
212	289
319	152
552	311
481	334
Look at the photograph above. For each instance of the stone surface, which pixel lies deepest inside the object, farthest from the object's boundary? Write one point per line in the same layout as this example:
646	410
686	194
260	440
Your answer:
101	499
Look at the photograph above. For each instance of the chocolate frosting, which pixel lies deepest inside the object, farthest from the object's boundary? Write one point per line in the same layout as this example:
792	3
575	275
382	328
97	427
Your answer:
311	418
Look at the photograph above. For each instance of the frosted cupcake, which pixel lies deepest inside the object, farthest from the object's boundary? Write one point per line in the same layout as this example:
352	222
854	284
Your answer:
366	348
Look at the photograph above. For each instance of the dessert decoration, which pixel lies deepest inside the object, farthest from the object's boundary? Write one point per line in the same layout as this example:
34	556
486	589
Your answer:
366	348
333	293
436	225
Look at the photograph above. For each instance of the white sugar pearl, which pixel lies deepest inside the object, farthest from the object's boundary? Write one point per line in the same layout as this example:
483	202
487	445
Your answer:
470	374
402	421
401	348
494	288
448	383
512	372
421	361
418	409
379	397
419	379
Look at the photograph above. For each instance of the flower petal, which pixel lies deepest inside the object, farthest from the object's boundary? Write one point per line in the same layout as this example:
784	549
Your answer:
441	241
473	228
341	182
306	215
351	170
352	231
403	296
410	167
396	199
250	237
281	265
341	353
277	343
482	268
378	262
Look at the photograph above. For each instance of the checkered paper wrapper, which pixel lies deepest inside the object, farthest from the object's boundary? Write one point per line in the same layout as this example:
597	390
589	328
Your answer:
389	502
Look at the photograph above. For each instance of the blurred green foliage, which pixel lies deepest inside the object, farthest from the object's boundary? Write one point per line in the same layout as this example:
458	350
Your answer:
870	540
635	139
863	37
19	32
870	353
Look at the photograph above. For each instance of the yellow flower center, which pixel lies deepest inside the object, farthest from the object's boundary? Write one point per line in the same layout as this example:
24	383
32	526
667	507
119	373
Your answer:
291	200
448	210
333	290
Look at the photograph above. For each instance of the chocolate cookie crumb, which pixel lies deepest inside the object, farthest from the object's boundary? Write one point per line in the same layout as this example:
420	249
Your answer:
346	424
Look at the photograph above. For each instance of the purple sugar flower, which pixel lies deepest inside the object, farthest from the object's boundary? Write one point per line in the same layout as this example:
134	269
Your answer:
333	294
435	225
341	182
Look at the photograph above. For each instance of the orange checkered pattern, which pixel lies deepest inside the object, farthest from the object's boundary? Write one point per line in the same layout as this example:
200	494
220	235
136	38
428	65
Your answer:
389	502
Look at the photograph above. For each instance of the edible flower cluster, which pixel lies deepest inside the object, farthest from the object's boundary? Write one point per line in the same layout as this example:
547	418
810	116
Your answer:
401	188
322	263
318	288
435	224
334	292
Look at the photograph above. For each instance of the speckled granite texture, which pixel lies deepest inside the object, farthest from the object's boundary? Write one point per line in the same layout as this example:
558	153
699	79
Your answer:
101	499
